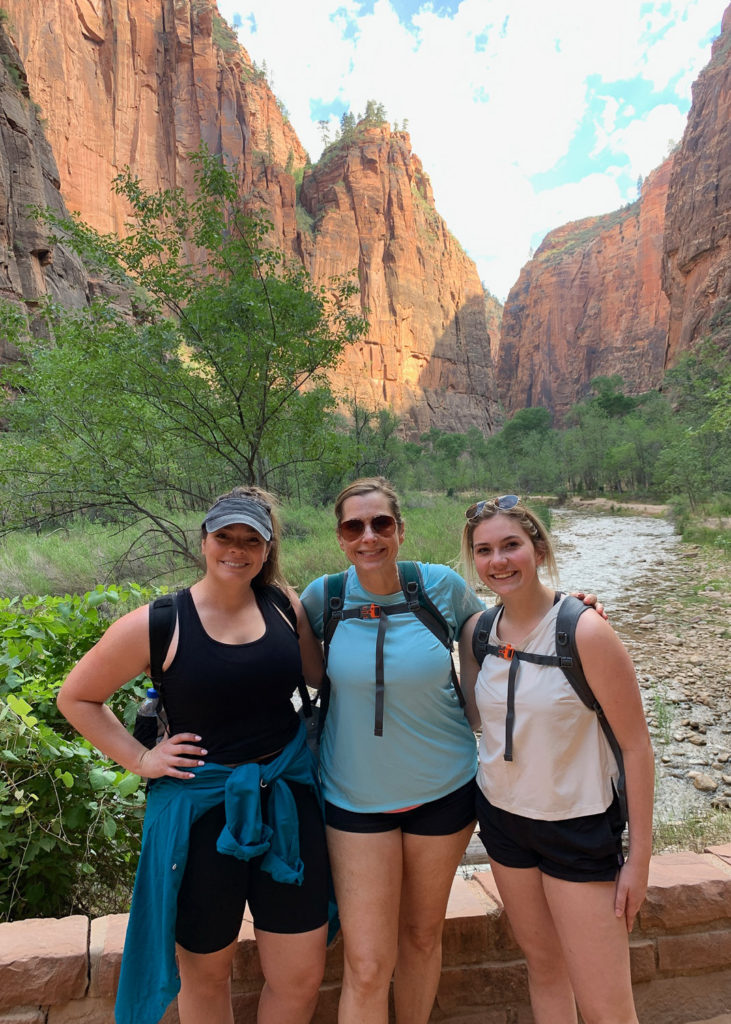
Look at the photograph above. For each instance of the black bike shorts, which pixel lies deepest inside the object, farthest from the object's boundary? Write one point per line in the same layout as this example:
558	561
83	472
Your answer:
216	887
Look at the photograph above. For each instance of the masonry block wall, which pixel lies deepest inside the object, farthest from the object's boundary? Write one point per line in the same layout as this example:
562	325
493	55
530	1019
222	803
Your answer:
64	971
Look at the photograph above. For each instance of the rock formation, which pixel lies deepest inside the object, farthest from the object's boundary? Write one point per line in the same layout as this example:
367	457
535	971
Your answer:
141	83
428	348
629	292
30	264
588	304
697	248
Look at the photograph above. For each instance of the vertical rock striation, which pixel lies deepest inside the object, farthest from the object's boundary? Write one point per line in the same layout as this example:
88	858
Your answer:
31	265
427	352
588	304
696	271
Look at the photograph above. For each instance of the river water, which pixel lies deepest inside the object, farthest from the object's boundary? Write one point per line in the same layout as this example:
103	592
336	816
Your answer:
621	558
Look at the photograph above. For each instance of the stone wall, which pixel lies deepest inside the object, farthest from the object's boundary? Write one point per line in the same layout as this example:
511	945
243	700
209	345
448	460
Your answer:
63	971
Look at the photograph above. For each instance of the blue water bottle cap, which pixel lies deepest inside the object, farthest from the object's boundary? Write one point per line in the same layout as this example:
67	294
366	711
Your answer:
152	692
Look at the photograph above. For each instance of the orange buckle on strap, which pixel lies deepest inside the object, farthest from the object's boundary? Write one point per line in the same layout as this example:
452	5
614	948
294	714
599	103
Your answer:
370	611
506	651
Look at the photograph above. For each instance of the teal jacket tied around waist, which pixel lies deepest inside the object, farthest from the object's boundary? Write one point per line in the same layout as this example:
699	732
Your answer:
149	977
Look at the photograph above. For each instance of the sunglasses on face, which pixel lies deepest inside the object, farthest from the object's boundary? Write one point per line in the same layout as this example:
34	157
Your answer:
503	503
352	529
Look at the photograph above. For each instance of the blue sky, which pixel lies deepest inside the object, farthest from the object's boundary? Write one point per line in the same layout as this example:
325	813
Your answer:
526	114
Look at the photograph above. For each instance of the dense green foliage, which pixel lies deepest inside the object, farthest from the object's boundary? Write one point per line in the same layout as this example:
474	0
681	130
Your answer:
218	377
66	813
670	446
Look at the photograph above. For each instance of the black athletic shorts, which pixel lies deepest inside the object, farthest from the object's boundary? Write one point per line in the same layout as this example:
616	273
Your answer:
585	849
442	817
216	887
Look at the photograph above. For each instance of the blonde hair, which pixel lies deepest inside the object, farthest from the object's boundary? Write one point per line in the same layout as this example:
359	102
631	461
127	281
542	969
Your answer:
369	485
270	572
528	520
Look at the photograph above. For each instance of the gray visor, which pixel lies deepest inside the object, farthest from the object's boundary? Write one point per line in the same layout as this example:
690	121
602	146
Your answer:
228	511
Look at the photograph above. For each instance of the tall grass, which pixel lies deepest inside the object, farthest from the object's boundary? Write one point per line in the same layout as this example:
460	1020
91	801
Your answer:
77	557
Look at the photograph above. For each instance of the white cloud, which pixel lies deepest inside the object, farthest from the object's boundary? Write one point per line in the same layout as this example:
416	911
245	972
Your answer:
494	94
647	140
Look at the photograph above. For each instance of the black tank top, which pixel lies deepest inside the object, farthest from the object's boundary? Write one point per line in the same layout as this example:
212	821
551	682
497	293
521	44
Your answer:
236	697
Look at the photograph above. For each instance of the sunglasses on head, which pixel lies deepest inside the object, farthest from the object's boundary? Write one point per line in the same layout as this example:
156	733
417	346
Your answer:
352	529
503	503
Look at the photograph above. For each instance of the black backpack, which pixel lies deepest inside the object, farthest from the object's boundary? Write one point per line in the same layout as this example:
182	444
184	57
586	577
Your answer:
566	658
163	616
416	600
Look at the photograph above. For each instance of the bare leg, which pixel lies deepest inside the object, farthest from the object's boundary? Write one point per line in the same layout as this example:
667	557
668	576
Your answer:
205	986
551	994
595	947
367	870
429	866
293	966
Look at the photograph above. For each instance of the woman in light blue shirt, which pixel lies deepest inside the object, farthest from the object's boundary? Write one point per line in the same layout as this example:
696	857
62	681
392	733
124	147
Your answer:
398	763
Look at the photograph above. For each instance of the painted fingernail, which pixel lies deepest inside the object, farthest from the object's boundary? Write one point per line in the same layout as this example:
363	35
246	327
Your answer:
203	752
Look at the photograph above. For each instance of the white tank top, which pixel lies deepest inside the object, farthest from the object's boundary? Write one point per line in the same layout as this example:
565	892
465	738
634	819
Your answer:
562	764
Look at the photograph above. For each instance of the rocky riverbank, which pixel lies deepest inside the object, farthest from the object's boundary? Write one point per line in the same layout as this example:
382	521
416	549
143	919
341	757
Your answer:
675	622
678	634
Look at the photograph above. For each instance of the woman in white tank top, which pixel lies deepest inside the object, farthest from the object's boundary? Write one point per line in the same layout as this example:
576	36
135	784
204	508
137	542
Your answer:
547	807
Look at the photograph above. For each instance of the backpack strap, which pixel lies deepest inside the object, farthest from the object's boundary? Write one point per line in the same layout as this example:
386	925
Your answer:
422	606
566	658
332	614
281	601
481	647
276	596
568	615
332	608
163	616
481	633
416	600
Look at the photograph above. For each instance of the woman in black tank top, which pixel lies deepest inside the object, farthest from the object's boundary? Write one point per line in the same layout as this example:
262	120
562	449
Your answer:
229	674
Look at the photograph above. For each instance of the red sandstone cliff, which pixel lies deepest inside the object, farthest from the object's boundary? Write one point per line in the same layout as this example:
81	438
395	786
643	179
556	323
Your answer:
588	304
428	347
30	264
143	82
696	268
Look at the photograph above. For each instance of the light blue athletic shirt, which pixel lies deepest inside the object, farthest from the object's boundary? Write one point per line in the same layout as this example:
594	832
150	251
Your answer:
427	749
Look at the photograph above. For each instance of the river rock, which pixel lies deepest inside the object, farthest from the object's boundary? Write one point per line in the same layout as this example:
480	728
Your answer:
699	741
703	782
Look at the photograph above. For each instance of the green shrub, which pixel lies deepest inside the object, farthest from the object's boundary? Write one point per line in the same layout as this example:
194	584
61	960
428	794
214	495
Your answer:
70	821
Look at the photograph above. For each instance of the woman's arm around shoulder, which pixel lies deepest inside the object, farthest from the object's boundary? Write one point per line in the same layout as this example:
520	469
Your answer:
310	646
468	670
122	653
611	675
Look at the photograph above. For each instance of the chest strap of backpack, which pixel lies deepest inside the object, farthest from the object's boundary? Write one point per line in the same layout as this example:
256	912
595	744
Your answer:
569	663
415	601
481	647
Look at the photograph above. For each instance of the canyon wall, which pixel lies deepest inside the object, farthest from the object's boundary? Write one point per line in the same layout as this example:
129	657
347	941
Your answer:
141	83
428	347
589	303
696	269
631	291
31	265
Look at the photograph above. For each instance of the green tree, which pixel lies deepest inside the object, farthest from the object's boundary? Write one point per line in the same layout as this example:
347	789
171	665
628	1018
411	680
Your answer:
609	396
219	375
